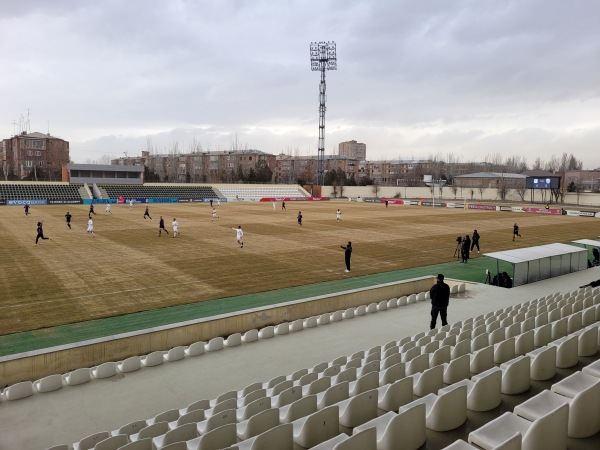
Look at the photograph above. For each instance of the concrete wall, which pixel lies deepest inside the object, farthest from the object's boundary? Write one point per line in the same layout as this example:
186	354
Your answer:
38	364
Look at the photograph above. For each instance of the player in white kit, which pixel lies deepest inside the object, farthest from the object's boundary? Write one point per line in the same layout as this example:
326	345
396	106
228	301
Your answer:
107	209
131	204
338	215
175	226
239	235
274	206
214	214
90	227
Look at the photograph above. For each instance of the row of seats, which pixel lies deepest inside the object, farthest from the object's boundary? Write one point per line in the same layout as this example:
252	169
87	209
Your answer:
79	376
39	191
142	191
248	192
355	380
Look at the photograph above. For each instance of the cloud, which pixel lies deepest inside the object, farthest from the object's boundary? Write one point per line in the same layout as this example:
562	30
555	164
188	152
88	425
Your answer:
414	78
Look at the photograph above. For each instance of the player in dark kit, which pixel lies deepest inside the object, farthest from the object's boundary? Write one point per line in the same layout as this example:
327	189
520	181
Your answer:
40	233
283	206
26	207
161	226
516	231
147	213
475	241
92	210
300	218
347	254
68	218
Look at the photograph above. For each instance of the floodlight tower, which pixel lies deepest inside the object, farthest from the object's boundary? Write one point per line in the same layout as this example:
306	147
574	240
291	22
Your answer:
322	57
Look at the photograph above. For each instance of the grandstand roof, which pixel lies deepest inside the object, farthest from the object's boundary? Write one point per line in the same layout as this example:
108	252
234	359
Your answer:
492	175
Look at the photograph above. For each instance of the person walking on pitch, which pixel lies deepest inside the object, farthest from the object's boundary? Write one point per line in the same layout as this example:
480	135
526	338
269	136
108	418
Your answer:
40	233
68	219
147	213
516	231
239	234
175	226
161	226
347	255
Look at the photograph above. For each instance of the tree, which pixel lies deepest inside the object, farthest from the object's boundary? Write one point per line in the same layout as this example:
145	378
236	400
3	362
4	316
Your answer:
521	189
188	177
330	177
149	176
263	172
352	180
376	188
366	181
240	174
481	189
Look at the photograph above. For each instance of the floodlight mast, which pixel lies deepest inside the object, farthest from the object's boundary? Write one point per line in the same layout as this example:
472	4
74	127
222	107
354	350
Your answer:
322	57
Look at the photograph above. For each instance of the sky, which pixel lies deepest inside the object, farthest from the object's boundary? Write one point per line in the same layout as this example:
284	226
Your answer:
416	78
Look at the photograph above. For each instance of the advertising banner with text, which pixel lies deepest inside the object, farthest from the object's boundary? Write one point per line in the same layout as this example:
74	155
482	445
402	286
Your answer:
481	207
27	202
556	212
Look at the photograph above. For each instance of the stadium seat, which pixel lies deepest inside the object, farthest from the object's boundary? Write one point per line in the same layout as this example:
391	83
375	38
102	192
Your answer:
364	440
18	391
195	349
78	376
446	411
153	359
315	428
104	370
281	434
49	383
174	354
130	364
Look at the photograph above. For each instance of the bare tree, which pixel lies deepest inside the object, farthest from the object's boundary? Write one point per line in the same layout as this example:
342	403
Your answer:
5	169
481	189
375	188
521	189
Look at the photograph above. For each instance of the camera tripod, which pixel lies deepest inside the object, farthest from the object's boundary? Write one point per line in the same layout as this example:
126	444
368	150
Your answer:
457	250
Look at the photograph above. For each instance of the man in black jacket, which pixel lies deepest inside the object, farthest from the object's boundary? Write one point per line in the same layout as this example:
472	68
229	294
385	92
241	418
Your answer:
347	254
440	297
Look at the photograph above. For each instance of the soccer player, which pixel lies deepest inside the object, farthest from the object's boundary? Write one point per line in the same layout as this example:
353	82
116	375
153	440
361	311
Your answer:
26	207
300	218
131	204
175	226
214	214
239	235
107	209
161	226
347	254
338	215
40	233
516	231
274	206
283	206
68	218
147	213
90	227
218	203
92	210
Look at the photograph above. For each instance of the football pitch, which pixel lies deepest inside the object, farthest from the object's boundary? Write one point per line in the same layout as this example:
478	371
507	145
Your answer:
127	267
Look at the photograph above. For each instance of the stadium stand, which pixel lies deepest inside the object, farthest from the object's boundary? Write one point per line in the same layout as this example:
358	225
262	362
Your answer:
164	191
350	392
33	191
242	192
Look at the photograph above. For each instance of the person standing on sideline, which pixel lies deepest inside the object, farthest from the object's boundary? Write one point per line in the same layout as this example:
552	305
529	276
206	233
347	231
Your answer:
90	228
338	215
92	210
283	206
40	233
440	297
147	213
515	231
347	254
175	226
300	218
211	202
107	209
26	207
386	203
466	245
131	204
239	234
161	226
68	219
475	241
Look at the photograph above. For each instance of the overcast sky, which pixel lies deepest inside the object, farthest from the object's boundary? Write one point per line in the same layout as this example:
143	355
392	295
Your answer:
415	78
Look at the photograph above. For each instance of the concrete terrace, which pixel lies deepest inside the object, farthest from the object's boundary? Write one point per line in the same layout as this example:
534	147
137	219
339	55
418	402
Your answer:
67	415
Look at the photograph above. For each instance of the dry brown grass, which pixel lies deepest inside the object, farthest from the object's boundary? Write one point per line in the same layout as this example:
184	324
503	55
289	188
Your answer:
73	277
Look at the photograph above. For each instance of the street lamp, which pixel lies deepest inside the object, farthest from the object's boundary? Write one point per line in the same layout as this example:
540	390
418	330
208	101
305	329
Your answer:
322	57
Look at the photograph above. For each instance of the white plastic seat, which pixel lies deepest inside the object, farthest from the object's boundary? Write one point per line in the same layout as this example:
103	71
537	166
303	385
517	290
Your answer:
226	417
112	442
150	431
287	396
130	428
547	433
542	335
281	434
296	325
233	340
440	356
130	364
298	409
446	411
184	432
254	407
223	436
165	416
457	369
364	383
258	423
359	409
584	410
504	351
267	332
483	390
153	359
482	360
189	417
90	441
566	351
429	381
461	348
543	363
392	396
318	427
335	394
365	440
252	335
417	364
214	344
174	354
515	375
104	370
524	343
592	369
49	383
78	376
17	391
587	341
406	427
479	342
